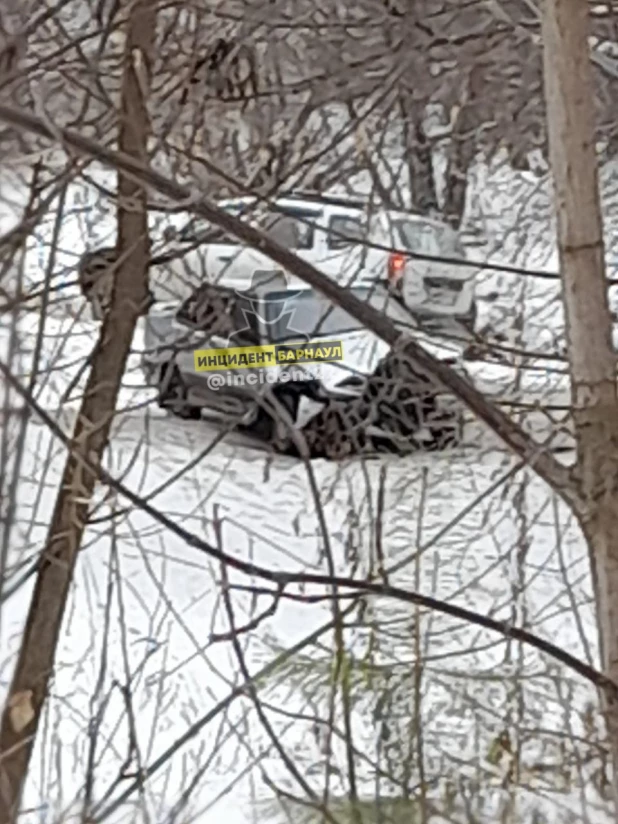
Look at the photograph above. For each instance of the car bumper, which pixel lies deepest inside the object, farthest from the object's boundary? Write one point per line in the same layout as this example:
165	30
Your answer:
459	311
449	304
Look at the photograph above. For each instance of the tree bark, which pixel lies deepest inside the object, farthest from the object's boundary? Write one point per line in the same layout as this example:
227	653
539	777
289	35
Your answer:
34	668
569	93
418	156
462	150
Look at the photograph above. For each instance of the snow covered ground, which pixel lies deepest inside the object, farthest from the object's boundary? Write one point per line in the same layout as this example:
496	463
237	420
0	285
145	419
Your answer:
144	652
160	624
167	603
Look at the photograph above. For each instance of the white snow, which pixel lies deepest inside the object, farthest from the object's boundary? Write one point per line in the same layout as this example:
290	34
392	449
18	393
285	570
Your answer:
171	603
166	602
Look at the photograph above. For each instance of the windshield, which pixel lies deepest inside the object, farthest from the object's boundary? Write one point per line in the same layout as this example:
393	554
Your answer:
346	230
206	308
306	315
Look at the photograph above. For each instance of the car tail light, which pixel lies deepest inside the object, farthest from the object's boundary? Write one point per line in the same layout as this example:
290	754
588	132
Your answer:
396	265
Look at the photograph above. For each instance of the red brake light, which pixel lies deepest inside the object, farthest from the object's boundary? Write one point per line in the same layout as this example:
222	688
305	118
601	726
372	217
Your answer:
396	265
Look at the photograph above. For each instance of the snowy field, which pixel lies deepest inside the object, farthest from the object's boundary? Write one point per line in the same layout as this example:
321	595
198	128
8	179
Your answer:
146	667
460	527
166	605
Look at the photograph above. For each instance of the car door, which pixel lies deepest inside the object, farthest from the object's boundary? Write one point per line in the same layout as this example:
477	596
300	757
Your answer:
211	253
180	251
203	330
296	228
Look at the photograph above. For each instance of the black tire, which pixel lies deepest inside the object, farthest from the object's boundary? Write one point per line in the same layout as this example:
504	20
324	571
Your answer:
448	431
355	381
173	394
264	426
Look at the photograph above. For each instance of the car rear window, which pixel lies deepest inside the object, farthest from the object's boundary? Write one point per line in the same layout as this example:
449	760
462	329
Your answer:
426	238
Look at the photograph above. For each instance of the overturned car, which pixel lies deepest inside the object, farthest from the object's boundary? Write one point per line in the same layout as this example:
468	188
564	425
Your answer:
291	369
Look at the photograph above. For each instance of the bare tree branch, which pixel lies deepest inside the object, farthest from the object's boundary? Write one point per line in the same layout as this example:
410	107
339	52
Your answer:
548	468
35	661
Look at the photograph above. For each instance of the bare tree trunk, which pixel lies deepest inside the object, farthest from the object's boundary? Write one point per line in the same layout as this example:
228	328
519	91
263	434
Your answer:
365	157
569	93
461	155
418	156
456	184
35	661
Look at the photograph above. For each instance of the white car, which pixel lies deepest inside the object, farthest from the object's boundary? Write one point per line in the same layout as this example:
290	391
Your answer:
429	287
340	238
223	347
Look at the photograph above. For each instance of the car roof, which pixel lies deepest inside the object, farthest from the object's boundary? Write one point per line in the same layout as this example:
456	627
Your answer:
317	203
295	202
413	217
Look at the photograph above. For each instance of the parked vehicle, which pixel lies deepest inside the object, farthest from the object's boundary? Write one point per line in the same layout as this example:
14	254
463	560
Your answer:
429	287
283	317
344	241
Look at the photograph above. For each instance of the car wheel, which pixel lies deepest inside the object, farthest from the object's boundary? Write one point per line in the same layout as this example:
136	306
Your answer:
173	394
264	425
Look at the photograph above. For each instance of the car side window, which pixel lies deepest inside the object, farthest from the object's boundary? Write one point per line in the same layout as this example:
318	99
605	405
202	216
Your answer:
416	236
426	240
199	231
344	231
292	229
450	243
